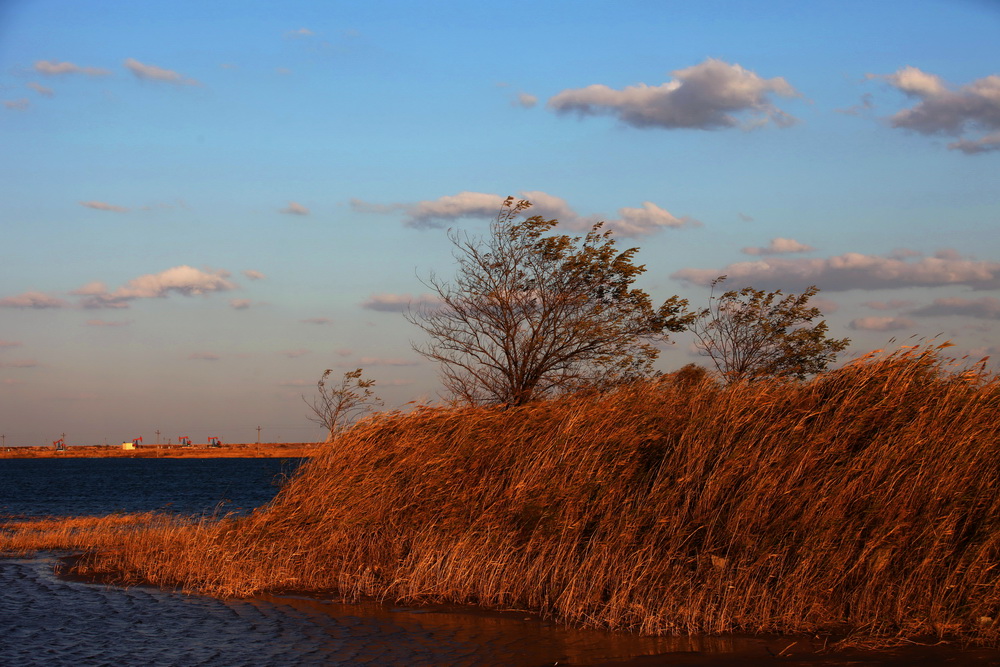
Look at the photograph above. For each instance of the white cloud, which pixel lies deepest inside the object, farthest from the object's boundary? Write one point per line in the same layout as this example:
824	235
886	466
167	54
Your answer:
941	109
550	206
853	271
90	289
985	144
316	320
744	217
34	300
21	104
704	97
240	304
103	206
435	213
40	89
10	343
398	303
52	68
300	33
293	354
295	208
987	308
914	82
154	73
779	246
646	220
881	324
253	275
525	100
184	280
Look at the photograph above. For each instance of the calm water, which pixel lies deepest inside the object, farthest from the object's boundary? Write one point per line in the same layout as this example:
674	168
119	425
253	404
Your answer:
35	487
46	619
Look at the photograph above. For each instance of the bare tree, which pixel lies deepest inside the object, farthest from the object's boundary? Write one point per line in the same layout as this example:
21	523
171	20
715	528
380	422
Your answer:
750	334
337	406
531	313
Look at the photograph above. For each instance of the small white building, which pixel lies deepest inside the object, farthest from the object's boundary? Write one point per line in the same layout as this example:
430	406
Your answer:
128	445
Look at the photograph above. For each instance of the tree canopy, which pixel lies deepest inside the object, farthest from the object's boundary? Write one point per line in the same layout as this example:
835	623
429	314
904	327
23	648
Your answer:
336	406
530	313
750	334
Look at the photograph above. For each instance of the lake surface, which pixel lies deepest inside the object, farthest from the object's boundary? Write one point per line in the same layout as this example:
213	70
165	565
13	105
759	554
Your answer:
46	619
98	486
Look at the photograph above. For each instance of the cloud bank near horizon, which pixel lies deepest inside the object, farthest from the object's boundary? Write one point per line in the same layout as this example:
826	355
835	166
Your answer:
855	270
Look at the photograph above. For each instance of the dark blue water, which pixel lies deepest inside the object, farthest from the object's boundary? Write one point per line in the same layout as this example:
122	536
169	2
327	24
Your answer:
97	486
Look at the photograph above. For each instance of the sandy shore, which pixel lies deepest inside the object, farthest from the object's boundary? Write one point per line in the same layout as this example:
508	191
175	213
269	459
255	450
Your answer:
252	450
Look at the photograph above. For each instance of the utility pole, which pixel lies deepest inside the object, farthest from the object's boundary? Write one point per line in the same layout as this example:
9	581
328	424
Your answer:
258	435
3	439
157	437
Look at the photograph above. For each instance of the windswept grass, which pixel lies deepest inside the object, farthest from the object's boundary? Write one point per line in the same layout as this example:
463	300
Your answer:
21	536
867	499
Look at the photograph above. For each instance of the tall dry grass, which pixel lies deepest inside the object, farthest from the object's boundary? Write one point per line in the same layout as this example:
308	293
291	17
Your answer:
866	499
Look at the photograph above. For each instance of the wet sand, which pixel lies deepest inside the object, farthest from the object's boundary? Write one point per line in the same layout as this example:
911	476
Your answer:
49	619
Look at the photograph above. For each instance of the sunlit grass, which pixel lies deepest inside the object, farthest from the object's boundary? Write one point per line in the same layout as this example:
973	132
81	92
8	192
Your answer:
865	500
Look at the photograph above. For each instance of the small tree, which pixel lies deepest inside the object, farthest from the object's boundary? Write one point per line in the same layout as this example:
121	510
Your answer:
750	334
337	406
531	313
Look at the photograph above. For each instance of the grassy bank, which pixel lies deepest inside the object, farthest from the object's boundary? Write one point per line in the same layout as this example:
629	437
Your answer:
864	500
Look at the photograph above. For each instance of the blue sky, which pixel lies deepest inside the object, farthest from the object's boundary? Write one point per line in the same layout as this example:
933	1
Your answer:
205	205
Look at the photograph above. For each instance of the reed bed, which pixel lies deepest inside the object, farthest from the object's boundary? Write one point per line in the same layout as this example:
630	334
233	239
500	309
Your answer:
21	536
865	501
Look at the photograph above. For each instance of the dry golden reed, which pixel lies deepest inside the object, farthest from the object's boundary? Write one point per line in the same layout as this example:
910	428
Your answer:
867	499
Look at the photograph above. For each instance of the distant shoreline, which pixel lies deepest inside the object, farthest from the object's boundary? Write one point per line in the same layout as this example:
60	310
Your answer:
251	450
